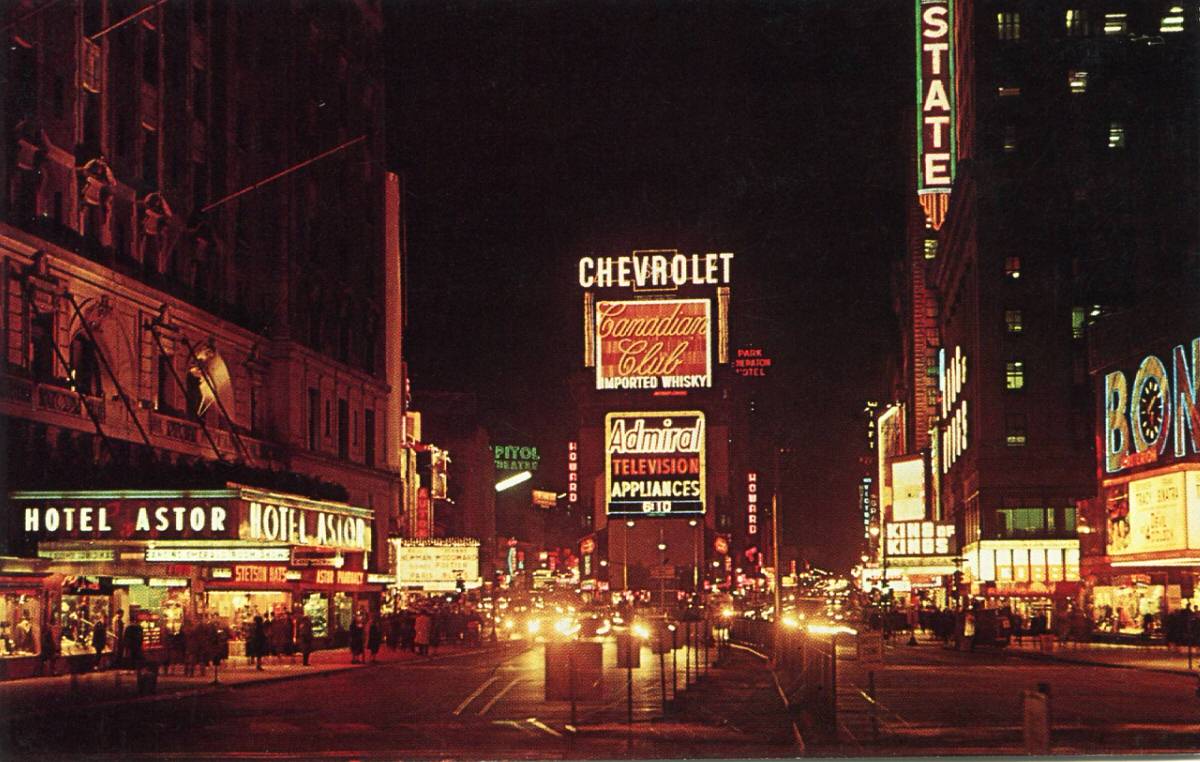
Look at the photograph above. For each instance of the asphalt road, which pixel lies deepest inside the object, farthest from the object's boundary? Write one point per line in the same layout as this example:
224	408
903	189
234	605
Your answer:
487	705
932	700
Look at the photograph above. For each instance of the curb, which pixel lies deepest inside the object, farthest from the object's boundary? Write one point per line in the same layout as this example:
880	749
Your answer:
210	688
1021	654
787	704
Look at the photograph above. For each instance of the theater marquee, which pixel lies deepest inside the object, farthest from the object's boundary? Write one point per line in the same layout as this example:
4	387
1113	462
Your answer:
656	344
654	463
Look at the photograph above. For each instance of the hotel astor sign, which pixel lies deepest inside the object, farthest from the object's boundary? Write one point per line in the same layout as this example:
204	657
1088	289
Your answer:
239	513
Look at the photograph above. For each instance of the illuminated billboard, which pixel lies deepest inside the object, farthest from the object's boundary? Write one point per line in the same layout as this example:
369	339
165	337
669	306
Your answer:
920	538
935	96
437	564
1159	514
654	344
908	489
654	463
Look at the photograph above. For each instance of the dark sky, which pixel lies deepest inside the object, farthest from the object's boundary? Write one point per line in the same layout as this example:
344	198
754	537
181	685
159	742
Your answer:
532	133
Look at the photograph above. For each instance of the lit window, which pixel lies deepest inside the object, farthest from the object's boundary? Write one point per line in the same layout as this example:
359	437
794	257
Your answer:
1077	23
1015	434
1012	267
1115	23
931	248
1008	91
1010	138
1014	374
1078	322
1012	319
1173	20
1116	135
1078	81
1008	25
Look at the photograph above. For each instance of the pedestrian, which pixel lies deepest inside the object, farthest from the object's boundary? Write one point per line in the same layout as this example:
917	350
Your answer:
356	641
304	632
969	629
118	633
408	632
280	630
49	651
423	632
393	630
257	647
133	643
374	638
191	646
99	639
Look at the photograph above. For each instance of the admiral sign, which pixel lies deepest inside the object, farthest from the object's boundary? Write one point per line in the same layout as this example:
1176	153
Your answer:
935	96
654	463
661	343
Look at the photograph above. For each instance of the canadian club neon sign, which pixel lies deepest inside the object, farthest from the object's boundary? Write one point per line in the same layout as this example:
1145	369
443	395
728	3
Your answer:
935	96
662	343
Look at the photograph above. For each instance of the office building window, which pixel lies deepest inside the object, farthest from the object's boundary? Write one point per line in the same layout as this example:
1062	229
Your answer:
1078	322
1078	81
1014	374
1024	522
1014	430
369	437
1012	267
343	429
1115	23
149	157
314	418
931	248
1172	21
1008	91
1012	321
1010	138
1116	135
1077	23
327	417
149	55
1008	25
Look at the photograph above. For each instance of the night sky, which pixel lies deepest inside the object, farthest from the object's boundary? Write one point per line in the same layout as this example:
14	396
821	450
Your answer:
533	133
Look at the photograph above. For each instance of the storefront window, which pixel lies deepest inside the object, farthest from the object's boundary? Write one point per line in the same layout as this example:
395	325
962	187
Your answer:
239	608
85	601
20	624
343	611
316	608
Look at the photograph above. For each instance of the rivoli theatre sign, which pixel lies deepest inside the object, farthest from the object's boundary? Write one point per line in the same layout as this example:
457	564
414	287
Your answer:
653	344
935	96
654	463
1142	418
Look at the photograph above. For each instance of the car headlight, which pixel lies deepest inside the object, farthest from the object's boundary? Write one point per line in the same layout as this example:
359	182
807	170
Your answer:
533	626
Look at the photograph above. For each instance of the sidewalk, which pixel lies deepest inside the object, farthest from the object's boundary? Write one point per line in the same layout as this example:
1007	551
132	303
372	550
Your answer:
1158	658
42	696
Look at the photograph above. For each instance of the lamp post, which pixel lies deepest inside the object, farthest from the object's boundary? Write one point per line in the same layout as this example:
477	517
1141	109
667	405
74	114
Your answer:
695	560
778	602
625	558
662	561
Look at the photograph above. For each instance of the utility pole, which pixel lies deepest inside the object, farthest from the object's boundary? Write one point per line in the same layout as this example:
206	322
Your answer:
775	553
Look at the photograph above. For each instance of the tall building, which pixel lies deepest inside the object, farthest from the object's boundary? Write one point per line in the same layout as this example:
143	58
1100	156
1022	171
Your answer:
202	313
1056	169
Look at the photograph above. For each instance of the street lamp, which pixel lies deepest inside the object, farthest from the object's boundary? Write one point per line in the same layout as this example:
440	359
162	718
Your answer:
513	480
695	560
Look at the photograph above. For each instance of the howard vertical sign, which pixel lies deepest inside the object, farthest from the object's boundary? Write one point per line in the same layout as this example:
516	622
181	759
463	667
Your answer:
935	96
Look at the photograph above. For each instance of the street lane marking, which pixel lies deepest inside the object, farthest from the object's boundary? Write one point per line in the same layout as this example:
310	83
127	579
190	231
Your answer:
514	724
475	695
498	696
534	721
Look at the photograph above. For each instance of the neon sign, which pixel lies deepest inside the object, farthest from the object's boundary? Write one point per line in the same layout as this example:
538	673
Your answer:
572	472
935	96
1139	420
515	457
652	344
654	463
952	377
752	503
656	270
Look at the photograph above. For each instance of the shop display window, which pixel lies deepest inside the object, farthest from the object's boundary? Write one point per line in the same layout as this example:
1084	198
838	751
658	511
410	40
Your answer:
239	608
20	624
83	605
343	611
316	607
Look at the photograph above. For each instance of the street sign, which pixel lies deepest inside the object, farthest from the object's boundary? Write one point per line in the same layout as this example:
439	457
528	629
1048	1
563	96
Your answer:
629	652
587	660
870	649
665	571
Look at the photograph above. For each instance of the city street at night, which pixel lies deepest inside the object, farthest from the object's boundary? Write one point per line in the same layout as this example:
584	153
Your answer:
599	379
